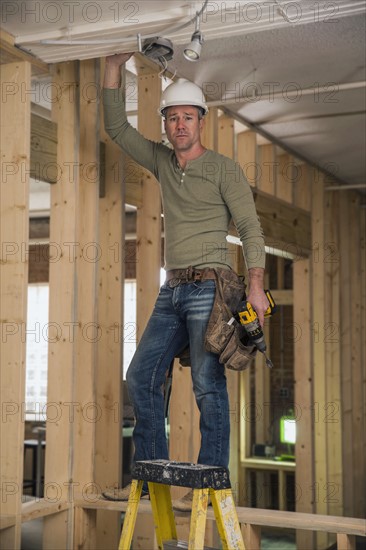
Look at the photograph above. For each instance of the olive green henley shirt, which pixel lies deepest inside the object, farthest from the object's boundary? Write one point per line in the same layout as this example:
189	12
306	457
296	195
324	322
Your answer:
198	202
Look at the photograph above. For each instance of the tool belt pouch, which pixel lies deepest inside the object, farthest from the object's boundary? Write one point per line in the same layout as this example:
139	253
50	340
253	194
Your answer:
235	355
222	338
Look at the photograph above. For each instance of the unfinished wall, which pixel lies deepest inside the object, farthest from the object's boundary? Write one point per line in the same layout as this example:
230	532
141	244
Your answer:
15	152
324	230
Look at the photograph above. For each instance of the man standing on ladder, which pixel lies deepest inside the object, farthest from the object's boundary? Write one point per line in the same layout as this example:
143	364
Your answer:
201	192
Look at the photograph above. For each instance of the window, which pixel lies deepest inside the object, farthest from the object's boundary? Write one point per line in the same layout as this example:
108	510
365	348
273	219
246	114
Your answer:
36	350
129	325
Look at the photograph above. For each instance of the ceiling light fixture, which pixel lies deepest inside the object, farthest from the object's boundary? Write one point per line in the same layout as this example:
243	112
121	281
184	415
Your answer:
193	51
158	48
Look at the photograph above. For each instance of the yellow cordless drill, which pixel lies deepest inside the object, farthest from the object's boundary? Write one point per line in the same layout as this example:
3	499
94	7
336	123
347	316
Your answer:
248	317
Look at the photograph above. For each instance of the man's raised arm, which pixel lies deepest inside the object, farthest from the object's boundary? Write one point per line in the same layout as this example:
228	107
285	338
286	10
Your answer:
112	72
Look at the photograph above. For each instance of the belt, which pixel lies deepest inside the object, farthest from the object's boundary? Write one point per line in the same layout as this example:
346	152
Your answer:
175	277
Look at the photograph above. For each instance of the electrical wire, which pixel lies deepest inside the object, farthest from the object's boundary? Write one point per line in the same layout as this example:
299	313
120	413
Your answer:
184	25
164	64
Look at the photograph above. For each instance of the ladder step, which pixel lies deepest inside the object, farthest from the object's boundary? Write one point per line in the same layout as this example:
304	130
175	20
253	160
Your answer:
181	545
207	481
182	474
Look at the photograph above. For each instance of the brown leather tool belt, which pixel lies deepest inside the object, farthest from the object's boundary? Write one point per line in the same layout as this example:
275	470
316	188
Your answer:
175	277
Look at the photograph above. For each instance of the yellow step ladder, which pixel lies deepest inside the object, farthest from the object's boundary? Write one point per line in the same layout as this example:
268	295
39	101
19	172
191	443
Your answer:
205	481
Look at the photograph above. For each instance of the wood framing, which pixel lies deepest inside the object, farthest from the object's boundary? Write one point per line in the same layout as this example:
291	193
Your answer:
62	309
41	508
246	143
149	213
284	178
72	361
225	136
44	150
14	220
9	53
323	234
226	146
109	379
262	386
245	431
346	542
184	439
362	218
332	342
301	186
148	226
327	314
209	133
318	307
267	169
87	234
344	527
252	536
285	227
356	366
345	327
133	182
303	376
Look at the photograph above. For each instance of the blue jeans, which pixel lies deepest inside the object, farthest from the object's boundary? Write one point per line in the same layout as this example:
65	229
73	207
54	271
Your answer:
179	318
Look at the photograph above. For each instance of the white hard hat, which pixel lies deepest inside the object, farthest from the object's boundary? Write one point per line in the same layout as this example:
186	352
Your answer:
182	92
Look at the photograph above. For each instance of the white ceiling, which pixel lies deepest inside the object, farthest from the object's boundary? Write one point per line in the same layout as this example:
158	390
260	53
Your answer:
293	70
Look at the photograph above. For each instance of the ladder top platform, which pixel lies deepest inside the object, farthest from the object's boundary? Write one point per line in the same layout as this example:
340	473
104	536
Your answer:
182	474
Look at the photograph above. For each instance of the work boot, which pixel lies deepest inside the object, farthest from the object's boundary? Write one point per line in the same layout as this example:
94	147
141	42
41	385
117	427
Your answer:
184	504
115	493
